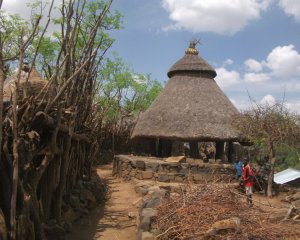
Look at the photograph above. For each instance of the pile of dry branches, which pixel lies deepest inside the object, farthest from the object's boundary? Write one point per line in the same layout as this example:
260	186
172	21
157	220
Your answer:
191	215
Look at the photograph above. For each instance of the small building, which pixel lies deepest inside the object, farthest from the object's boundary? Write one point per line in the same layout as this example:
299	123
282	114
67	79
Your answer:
191	108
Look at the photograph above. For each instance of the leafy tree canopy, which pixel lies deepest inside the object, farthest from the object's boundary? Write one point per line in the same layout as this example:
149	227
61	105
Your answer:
123	91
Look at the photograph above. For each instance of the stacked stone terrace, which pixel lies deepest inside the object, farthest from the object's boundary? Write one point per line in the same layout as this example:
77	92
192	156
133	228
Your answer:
173	169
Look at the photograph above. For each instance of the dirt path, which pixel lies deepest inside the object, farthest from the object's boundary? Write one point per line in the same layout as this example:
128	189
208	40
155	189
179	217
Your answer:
109	222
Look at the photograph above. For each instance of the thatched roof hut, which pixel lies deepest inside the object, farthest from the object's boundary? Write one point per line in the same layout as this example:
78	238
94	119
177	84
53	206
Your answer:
191	107
33	86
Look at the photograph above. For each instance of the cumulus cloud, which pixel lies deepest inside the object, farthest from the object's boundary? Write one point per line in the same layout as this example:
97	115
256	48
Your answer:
293	106
284	61
291	7
293	86
219	16
226	78
268	100
21	8
278	73
228	61
253	65
256	77
241	104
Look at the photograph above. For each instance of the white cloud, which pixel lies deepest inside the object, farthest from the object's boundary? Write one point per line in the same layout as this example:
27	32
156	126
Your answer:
268	100
256	77
293	86
227	78
278	74
241	104
219	16
253	65
293	106
284	61
291	7
228	61
21	8
245	104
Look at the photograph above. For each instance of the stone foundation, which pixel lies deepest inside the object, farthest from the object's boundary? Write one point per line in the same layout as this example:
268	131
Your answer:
157	169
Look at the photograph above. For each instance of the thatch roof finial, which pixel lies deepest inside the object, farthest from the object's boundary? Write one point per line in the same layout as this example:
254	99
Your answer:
192	47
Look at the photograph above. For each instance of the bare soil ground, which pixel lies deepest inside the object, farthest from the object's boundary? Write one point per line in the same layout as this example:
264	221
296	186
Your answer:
271	203
111	221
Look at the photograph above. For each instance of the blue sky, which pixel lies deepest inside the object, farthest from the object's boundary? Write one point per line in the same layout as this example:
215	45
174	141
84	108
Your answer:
254	45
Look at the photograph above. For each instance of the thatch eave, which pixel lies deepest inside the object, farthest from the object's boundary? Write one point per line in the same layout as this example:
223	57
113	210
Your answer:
192	63
187	139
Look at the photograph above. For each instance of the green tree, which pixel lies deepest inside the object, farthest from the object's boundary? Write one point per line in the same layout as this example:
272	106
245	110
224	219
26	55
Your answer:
12	26
87	16
123	92
287	157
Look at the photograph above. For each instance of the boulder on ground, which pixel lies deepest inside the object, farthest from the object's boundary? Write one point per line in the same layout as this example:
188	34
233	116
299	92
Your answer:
233	224
176	159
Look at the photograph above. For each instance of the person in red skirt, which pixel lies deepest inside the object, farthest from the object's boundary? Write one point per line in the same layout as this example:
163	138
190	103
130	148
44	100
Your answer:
248	180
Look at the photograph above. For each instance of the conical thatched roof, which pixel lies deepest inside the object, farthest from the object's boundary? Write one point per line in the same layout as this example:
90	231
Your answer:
191	106
34	85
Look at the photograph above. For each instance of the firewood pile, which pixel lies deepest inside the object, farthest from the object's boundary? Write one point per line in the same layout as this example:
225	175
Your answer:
216	212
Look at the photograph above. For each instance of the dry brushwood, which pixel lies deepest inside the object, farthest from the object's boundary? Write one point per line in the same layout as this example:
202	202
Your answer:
205	206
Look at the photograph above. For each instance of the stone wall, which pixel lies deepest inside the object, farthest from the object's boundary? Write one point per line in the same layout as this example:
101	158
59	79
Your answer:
157	169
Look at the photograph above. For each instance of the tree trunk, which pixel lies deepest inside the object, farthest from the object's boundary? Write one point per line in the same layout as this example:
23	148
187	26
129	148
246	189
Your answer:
272	161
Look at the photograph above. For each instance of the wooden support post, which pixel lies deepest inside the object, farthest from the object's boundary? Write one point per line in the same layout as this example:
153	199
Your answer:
230	152
194	151
165	148
220	153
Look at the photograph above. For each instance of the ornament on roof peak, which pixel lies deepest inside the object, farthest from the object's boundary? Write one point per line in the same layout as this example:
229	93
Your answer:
192	47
